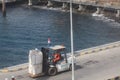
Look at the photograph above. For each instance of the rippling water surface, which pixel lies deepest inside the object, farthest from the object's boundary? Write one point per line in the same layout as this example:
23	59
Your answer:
28	28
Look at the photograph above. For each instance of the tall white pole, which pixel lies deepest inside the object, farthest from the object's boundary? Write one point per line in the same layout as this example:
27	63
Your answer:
72	49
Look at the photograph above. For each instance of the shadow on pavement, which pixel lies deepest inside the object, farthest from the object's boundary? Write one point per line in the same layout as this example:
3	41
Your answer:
45	77
78	67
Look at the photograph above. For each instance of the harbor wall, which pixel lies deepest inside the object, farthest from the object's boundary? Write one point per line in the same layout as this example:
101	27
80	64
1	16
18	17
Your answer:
103	2
109	6
98	6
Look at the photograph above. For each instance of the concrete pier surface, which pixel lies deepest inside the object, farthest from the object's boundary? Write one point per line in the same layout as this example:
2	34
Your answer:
97	65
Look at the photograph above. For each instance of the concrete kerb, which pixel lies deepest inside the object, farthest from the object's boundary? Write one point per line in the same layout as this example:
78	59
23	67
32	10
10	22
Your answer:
98	48
115	78
14	68
4	70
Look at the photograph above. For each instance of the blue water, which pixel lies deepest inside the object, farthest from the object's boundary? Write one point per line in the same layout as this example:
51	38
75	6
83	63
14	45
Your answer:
28	28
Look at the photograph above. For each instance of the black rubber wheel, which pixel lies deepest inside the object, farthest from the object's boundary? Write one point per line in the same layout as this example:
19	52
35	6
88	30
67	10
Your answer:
52	71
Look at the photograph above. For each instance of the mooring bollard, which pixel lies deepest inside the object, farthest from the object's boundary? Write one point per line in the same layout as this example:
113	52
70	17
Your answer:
4	8
13	77
30	2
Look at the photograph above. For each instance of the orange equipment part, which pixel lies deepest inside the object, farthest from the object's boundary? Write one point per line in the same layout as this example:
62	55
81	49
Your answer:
57	57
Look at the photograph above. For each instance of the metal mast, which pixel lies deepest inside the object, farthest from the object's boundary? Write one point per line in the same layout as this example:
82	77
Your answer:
72	49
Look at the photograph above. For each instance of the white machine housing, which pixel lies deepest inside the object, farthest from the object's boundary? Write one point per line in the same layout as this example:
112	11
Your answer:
62	65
